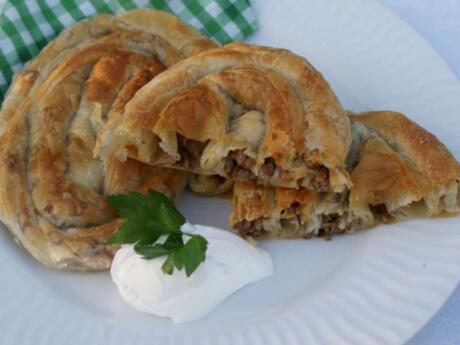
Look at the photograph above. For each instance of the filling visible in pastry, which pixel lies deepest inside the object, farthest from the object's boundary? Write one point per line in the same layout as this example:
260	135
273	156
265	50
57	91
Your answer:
294	223
398	171
190	152
246	113
280	212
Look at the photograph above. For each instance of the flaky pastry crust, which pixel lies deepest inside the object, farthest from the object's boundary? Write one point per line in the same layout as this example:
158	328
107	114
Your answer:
398	170
244	112
52	190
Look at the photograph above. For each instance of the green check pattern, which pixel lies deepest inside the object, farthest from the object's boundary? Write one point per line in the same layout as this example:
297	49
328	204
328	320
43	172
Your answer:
26	26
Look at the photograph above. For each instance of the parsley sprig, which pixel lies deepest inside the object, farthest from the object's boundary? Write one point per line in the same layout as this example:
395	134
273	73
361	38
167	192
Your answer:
149	217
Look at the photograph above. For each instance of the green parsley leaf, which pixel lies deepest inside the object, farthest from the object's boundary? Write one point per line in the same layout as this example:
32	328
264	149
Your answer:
191	255
167	207
149	217
151	251
174	241
134	230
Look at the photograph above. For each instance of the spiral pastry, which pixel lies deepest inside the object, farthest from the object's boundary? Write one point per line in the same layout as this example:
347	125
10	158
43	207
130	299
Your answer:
52	189
244	112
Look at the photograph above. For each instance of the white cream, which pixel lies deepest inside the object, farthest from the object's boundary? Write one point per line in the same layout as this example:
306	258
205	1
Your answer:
230	264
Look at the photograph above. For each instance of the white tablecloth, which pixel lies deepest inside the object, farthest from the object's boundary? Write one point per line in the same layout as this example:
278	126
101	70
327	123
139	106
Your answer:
438	21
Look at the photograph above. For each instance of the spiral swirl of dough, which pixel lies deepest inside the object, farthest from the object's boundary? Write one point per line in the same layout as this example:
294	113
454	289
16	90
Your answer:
243	112
52	190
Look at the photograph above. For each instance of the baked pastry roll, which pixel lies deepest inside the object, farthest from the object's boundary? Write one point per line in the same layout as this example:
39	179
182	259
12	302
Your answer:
398	171
244	112
52	189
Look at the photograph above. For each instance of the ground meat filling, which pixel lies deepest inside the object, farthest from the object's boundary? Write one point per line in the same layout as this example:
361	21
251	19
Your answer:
294	209
269	167
330	225
190	152
381	212
320	181
251	228
238	165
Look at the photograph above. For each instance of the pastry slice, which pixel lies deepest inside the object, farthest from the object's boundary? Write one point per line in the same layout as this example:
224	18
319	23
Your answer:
52	189
244	112
398	171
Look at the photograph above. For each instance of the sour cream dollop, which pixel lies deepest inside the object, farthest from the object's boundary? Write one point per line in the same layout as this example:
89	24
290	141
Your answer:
230	264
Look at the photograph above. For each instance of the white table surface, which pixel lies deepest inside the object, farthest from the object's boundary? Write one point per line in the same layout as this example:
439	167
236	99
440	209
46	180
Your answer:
438	21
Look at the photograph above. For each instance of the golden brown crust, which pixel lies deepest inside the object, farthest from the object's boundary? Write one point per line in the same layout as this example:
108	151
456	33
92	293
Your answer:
52	189
381	176
398	171
21	85
429	156
183	37
251	201
303	126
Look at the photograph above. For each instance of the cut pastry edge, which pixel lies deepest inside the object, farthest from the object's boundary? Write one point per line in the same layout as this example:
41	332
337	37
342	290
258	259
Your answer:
235	162
282	214
140	136
323	219
396	191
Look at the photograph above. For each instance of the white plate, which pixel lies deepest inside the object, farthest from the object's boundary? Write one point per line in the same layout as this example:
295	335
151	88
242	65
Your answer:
375	287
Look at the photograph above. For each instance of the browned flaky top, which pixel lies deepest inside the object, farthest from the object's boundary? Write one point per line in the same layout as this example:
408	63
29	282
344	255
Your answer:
303	119
430	157
52	189
381	176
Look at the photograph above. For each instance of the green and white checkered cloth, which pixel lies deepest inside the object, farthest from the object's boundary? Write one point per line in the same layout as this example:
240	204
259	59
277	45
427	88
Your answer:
26	26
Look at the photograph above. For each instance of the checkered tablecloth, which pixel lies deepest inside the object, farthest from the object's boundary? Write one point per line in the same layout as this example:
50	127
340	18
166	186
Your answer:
26	26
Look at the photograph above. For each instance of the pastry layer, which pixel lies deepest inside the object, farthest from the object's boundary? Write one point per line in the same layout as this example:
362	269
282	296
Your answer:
398	171
244	112
52	190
